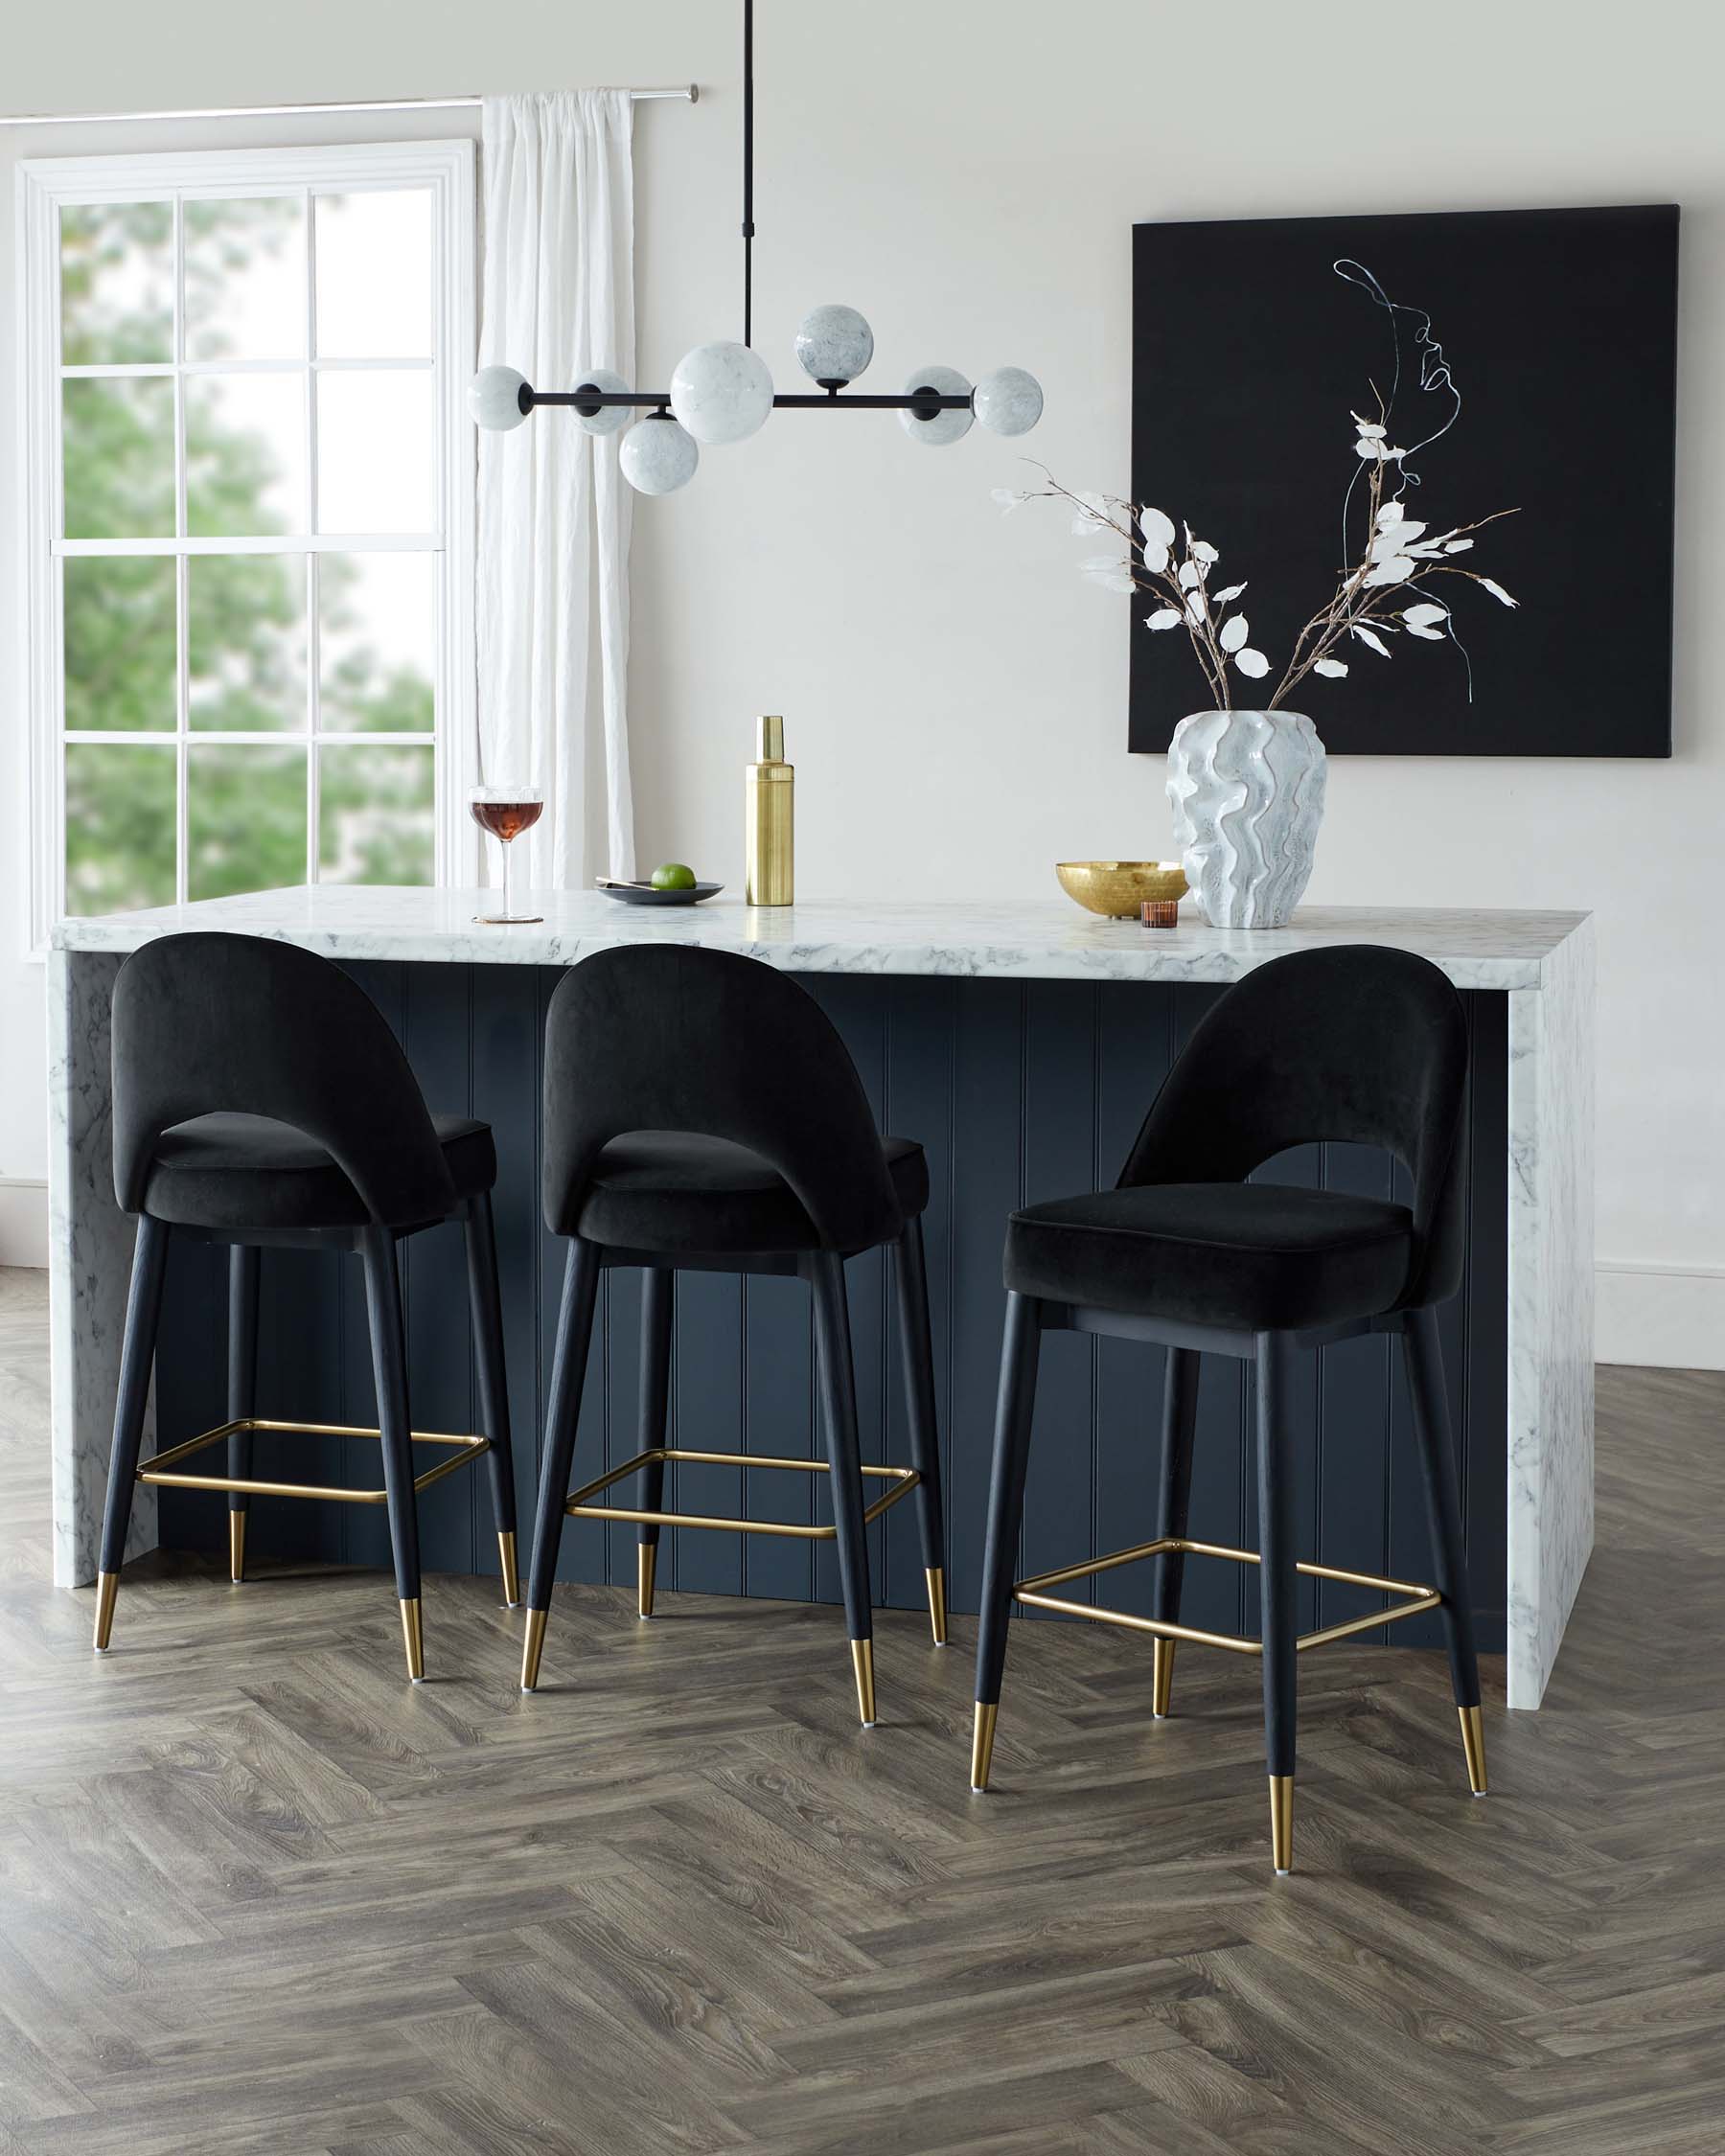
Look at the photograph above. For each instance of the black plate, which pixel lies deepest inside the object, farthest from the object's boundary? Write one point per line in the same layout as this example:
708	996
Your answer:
644	894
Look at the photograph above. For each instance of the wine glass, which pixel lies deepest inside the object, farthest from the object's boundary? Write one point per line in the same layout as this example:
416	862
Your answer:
506	812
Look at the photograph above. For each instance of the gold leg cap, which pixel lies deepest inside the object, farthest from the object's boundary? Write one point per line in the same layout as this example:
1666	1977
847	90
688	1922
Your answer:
1473	1743
982	1742
108	1586
937	1603
512	1578
237	1546
863	1658
532	1647
414	1637
1281	1823
646	1571
1162	1678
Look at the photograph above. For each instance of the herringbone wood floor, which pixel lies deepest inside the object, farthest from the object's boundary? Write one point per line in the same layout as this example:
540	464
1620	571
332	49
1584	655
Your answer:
258	1895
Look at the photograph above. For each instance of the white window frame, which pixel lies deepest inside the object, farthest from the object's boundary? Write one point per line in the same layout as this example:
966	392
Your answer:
446	168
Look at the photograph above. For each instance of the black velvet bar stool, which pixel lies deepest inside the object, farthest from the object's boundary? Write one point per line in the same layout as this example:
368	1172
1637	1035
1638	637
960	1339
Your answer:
1354	1045
260	1101
702	1115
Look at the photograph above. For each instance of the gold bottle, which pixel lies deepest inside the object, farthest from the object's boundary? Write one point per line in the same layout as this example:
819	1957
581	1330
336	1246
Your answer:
770	792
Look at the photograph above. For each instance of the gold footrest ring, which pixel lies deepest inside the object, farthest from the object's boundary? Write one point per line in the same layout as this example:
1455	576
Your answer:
157	1469
1034	1592
579	1505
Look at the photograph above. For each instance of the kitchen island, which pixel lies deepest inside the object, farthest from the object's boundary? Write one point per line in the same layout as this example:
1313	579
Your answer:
1021	1044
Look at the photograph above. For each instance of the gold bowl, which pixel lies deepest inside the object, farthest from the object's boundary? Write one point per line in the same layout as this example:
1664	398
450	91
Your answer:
1121	888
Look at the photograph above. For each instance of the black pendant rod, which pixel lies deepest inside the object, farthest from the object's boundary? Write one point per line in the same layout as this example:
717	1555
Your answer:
749	172
925	402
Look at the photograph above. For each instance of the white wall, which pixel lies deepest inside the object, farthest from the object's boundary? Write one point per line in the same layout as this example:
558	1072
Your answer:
954	699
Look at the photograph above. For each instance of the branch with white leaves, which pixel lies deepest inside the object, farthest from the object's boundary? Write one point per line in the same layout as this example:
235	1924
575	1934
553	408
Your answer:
1172	566
1397	558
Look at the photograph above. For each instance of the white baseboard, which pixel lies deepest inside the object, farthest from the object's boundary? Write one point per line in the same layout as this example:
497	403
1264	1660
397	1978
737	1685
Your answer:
1660	1317
23	1222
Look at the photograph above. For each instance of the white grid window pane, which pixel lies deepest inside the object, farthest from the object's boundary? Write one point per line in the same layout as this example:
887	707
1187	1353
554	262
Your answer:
245	643
245	455
375	807
120	643
376	616
116	264
375	451
245	277
374	275
117	457
120	826
246	818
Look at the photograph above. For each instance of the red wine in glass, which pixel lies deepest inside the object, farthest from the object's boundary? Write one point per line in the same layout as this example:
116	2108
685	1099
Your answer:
506	812
507	819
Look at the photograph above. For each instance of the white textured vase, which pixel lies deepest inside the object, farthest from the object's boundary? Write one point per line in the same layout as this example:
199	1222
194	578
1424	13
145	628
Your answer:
1247	791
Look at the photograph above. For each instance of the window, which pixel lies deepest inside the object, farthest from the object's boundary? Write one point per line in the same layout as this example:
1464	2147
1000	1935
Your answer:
248	490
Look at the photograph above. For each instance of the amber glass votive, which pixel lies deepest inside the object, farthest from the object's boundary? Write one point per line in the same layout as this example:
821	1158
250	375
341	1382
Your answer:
1159	914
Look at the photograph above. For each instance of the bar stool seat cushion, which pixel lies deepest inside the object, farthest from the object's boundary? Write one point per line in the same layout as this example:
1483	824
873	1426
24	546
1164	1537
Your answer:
1257	1256
673	1191
226	1171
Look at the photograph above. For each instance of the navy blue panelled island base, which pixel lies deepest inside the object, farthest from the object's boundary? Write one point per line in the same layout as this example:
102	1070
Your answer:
1020	1046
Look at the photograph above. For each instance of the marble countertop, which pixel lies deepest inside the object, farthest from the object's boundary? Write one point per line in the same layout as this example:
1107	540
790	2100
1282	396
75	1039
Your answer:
1038	939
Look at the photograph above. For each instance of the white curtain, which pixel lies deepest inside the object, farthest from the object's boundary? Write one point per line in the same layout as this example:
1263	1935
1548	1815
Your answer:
552	609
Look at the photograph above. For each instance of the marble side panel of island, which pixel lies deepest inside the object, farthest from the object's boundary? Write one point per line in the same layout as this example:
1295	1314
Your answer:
90	1247
1551	1174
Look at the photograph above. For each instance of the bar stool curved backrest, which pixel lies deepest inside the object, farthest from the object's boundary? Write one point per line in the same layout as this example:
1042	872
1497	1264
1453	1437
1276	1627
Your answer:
721	1047
227	1024
259	1099
1353	1046
702	1115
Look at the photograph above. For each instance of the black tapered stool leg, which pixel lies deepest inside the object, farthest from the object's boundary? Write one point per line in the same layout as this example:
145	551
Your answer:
916	1349
487	1306
137	1357
568	1377
389	1376
1020	1352
242	1390
1173	1505
1432	1431
657	1286
1278	1585
844	1458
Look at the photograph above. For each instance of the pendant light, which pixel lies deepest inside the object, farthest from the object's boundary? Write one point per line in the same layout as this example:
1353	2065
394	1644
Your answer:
722	393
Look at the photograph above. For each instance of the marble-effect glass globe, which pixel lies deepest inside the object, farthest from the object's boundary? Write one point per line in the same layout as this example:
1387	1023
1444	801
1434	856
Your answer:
944	427
608	417
833	344
658	456
722	392
1009	401
495	398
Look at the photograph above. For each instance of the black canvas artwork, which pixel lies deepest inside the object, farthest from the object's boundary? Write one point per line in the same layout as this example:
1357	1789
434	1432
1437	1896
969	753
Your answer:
1528	362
